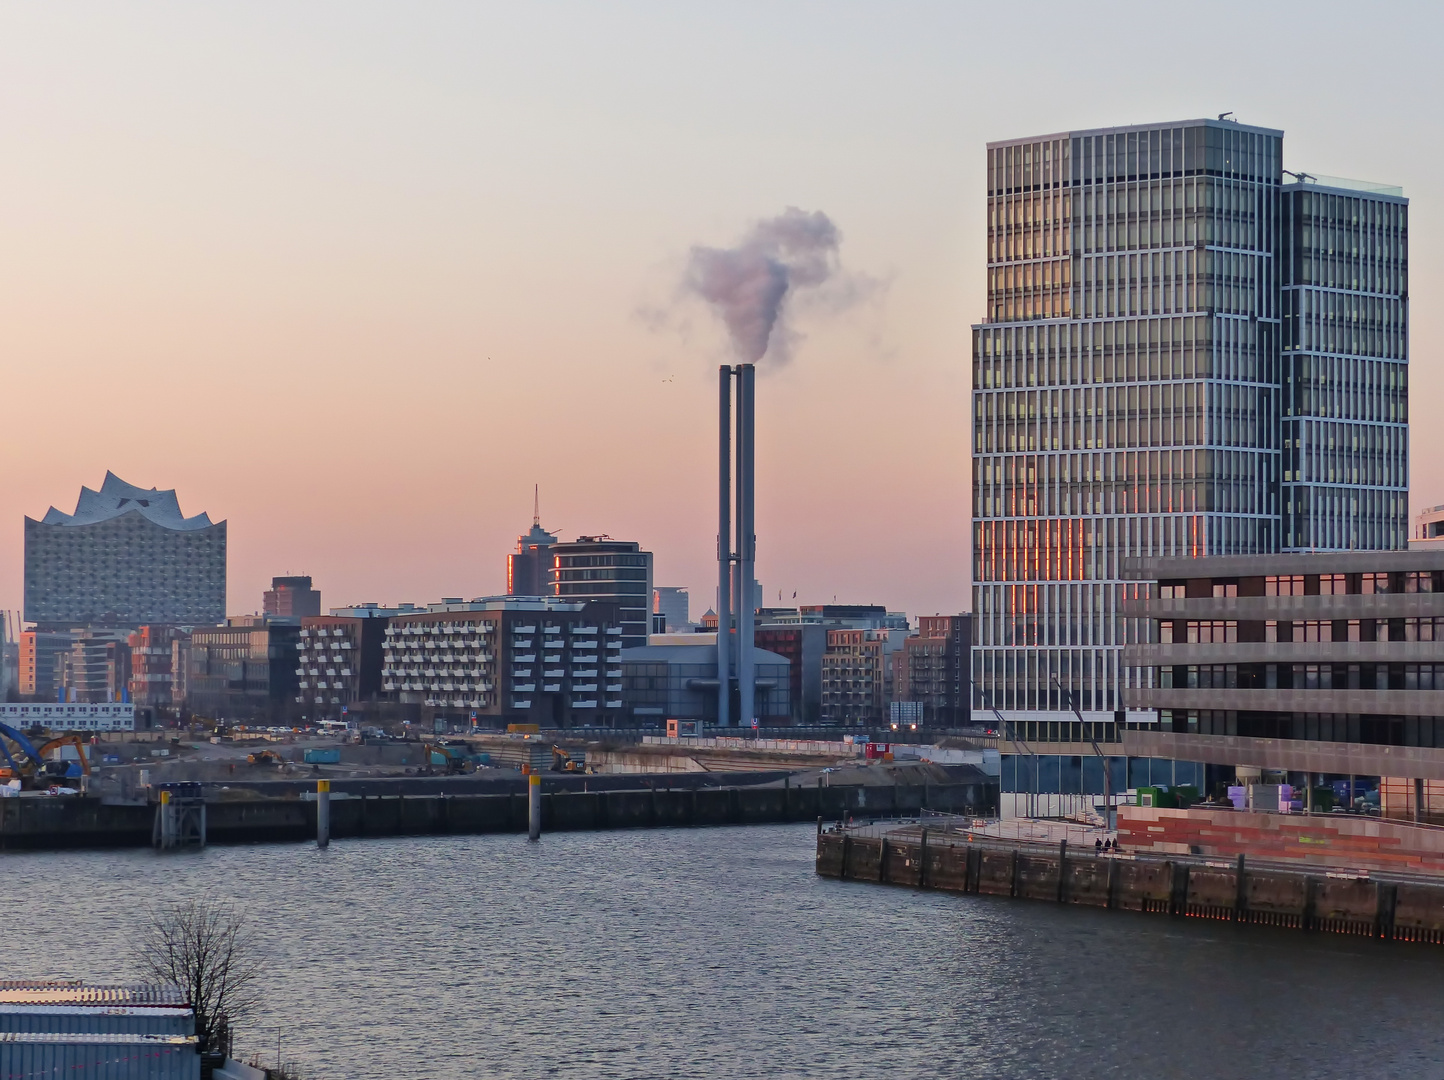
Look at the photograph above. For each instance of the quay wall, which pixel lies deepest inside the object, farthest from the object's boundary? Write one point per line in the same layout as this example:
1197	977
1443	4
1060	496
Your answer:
1322	840
74	821
1295	898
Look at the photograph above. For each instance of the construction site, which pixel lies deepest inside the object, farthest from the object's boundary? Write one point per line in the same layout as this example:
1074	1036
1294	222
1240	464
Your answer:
118	789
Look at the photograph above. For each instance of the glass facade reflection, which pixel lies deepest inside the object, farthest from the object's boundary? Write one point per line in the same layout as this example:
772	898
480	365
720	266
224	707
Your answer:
1131	393
1345	366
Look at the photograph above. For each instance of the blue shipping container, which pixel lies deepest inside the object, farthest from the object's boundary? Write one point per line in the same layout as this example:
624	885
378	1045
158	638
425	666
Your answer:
98	1019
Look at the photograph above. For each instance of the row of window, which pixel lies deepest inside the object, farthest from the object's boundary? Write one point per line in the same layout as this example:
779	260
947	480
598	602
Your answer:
1194	632
1124	350
1395	581
1317	320
1324	452
1302	677
1143	482
1325	727
1080	549
1156	415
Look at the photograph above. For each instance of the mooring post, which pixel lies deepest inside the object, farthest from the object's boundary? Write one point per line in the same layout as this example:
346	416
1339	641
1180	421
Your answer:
533	806
819	824
1240	896
167	824
1062	870
323	813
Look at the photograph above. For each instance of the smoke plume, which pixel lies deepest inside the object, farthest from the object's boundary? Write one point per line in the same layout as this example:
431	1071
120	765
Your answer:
748	285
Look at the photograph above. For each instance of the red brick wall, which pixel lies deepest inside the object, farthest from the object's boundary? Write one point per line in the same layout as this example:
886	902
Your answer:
1345	841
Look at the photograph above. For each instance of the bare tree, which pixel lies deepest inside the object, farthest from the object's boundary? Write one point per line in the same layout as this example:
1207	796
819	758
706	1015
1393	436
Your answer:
204	947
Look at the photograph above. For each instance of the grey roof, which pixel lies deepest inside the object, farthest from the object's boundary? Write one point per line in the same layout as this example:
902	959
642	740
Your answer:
116	498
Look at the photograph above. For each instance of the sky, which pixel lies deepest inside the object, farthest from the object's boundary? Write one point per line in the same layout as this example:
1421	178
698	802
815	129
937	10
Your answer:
355	276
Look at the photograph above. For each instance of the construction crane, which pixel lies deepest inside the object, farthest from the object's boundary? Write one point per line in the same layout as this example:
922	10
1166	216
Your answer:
33	757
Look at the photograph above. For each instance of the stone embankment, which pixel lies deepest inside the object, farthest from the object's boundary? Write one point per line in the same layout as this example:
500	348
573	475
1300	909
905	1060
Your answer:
1390	907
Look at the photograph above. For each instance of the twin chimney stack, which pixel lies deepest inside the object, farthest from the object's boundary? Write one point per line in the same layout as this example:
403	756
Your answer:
735	564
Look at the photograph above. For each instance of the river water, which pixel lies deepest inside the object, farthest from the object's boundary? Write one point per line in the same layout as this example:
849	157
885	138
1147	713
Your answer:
718	953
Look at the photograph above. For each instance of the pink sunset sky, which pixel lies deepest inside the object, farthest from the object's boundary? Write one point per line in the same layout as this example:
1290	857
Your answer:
355	276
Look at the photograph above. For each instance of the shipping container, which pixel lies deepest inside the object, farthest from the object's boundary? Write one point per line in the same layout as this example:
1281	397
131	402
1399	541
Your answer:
322	755
100	1057
97	1019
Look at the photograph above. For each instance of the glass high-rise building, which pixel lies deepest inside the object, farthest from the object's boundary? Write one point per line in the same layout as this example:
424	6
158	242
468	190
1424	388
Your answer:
1345	365
1131	393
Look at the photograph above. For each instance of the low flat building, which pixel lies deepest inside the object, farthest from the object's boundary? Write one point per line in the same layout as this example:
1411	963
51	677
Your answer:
73	716
677	680
1313	664
509	659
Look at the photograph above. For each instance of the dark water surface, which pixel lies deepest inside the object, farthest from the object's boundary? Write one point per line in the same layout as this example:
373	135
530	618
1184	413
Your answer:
718	953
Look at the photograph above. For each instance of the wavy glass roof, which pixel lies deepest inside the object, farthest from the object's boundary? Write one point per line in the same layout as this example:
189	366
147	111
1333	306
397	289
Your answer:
116	497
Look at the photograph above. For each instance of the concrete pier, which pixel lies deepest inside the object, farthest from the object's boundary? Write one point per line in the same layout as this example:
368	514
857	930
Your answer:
1393	908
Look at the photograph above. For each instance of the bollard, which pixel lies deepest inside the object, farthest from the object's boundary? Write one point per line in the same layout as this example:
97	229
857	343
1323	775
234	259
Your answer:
533	807
167	822
323	813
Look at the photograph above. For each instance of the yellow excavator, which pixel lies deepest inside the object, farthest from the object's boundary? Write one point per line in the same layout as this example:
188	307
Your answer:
562	761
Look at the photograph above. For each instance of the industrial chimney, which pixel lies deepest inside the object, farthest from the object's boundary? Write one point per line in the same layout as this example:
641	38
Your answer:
736	560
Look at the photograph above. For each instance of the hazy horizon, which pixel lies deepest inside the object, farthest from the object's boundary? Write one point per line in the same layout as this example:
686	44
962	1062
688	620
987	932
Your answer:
355	277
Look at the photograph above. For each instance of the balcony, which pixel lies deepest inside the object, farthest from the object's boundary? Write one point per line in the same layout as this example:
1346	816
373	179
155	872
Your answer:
584	673
552	688
521	704
614	688
584	688
614	631
525	658
524	688
617	704
589	704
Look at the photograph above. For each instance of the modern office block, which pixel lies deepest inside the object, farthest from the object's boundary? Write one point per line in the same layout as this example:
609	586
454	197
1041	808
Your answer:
339	659
598	568
245	669
1345	399
1132	398
291	598
126	557
1320	663
509	659
528	568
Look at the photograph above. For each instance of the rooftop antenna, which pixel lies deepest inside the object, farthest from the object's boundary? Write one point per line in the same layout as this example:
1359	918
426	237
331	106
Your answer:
1226	115
536	507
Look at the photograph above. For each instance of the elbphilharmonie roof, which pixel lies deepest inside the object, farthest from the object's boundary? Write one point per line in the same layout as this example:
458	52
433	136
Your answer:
116	497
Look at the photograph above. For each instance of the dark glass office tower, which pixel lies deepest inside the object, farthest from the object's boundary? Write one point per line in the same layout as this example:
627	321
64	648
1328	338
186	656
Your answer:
1345	365
1126	389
